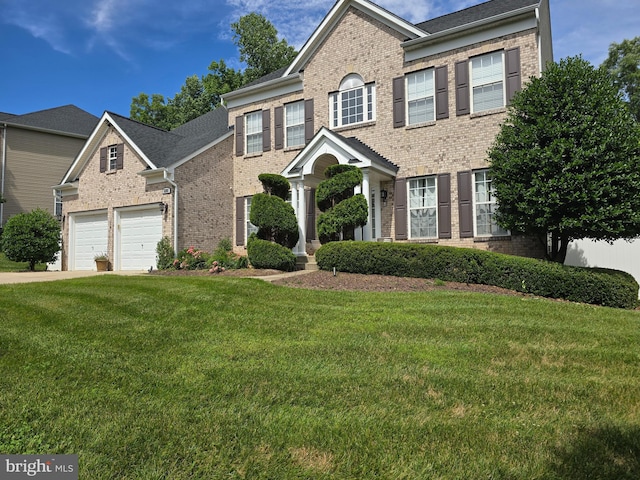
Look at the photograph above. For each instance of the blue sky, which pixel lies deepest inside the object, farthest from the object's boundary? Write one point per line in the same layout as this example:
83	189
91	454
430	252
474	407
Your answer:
98	54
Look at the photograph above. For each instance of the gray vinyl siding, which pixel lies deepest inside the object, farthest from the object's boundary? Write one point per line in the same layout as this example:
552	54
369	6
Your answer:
35	161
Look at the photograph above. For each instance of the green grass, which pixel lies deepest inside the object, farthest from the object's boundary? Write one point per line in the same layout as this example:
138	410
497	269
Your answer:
219	378
7	265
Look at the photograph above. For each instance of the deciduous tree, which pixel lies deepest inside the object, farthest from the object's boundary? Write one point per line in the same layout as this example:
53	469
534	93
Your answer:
31	237
623	64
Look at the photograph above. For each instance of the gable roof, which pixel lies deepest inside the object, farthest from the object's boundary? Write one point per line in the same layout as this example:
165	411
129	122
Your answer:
158	148
483	11
68	120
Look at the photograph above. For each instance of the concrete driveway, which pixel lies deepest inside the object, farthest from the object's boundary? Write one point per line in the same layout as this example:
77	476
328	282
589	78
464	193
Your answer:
27	277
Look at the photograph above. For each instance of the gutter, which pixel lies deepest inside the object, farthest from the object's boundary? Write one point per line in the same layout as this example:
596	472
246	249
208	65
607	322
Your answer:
4	168
175	210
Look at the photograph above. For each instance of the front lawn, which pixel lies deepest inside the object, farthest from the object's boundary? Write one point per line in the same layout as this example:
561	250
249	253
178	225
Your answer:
7	265
222	378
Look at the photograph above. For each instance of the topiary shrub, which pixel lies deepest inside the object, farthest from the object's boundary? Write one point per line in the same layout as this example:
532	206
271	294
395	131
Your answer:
342	211
596	286
32	237
275	219
274	184
265	254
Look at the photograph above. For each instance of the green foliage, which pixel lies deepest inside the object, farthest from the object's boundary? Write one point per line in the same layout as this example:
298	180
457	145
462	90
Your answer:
623	63
266	254
275	184
31	237
342	210
259	46
224	257
547	279
567	159
165	254
191	259
275	219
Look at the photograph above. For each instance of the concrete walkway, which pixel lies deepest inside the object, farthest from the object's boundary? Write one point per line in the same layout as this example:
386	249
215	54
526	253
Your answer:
27	277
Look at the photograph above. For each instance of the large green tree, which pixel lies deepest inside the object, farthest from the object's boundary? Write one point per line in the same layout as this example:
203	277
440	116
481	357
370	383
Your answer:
623	64
566	163
32	237
259	48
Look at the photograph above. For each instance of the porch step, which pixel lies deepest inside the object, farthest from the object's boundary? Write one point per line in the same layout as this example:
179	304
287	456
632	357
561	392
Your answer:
307	263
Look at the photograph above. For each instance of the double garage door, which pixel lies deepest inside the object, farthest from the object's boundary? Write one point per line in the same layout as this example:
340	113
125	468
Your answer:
137	233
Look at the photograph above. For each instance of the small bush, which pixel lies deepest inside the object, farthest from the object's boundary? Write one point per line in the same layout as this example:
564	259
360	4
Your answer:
165	254
224	257
191	259
605	287
265	254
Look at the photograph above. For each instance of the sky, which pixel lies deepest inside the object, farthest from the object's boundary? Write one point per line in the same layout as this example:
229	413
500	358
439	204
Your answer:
99	54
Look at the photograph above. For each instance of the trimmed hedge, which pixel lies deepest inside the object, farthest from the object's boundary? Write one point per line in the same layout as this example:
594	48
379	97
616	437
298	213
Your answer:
275	184
266	254
597	286
275	219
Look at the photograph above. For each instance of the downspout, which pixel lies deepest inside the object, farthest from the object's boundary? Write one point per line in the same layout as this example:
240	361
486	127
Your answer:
4	162
175	210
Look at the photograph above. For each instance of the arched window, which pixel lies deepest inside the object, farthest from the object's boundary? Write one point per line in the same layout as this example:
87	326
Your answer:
353	103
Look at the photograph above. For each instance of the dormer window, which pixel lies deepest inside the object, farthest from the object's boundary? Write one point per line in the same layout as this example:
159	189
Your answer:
354	103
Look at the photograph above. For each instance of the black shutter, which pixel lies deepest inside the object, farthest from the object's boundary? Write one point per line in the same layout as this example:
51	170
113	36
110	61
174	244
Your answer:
463	105
103	159
240	221
444	205
398	103
400	208
514	83
310	203
239	135
120	156
465	204
278	125
266	130
309	128
442	93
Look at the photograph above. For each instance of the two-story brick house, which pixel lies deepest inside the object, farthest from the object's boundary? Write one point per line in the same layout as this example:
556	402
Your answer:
414	106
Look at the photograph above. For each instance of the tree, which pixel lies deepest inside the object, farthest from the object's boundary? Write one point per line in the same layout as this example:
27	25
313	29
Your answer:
31	237
623	64
260	49
342	211
566	162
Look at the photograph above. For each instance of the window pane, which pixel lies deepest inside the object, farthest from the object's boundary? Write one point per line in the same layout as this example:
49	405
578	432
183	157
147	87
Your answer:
254	132
488	97
485	205
420	97
487	74
423	207
251	228
294	121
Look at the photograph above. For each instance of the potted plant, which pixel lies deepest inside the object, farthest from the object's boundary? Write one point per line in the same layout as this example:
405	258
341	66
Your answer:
102	262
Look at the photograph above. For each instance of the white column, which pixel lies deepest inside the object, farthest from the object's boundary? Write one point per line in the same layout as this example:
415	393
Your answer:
367	236
301	247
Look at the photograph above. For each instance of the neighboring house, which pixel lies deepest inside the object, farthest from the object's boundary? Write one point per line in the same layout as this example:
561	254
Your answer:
36	150
121	195
414	106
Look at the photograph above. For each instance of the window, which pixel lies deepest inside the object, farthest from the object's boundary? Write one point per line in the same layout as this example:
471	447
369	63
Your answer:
420	97
487	82
253	129
249	227
113	157
294	124
485	206
423	207
353	104
57	207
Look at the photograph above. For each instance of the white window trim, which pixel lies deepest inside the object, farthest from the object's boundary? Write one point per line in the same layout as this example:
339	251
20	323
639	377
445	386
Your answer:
247	134
249	227
335	100
286	125
473	85
112	156
409	209
475	214
433	96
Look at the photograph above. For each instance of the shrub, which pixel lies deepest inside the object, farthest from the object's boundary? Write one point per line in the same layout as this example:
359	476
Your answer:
165	254
31	237
275	219
224	257
274	184
605	287
265	254
191	259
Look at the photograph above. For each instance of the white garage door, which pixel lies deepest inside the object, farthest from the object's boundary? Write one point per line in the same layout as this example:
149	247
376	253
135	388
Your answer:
140	232
89	239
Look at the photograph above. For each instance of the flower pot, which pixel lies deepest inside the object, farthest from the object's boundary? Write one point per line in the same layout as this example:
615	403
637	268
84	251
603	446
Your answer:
102	265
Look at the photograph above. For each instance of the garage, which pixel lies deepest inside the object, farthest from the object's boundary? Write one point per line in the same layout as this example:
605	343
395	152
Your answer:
89	234
138	234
